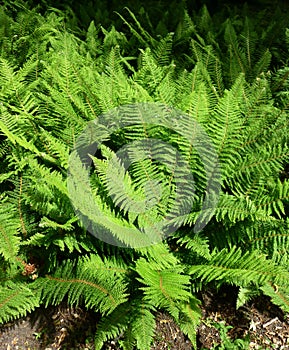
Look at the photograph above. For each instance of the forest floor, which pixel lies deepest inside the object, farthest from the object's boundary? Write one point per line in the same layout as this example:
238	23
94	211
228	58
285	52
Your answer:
259	324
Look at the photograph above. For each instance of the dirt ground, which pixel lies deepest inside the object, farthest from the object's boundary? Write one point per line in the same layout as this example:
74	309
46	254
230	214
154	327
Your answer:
263	324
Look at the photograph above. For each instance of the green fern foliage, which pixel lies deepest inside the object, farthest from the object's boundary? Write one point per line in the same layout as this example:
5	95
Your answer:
90	280
16	300
245	268
190	112
10	228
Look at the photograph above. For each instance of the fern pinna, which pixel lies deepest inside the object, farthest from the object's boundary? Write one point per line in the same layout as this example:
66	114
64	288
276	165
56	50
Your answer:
224	88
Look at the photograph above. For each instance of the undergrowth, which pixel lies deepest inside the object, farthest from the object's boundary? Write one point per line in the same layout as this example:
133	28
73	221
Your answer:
212	80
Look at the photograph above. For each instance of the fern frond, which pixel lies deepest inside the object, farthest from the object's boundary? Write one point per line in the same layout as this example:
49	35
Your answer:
55	148
237	58
241	269
163	50
196	103
210	66
238	208
16	300
88	281
112	325
245	294
278	294
150	74
112	170
263	162
109	226
226	126
196	243
9	230
166	90
270	237
190	315
143	327
140	33
160	254
279	195
53	179
164	288
262	64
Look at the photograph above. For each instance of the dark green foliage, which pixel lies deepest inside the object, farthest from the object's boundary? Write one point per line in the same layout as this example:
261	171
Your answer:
224	82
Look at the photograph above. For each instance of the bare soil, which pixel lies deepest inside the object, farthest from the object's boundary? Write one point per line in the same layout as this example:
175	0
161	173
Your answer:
263	324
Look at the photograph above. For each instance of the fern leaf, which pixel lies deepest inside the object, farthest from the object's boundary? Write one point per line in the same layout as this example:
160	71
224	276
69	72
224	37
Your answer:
271	237
238	208
226	126
9	230
196	243
245	294
163	288
237	58
143	327
190	315
278	294
86	281
113	325
16	300
143	36
242	269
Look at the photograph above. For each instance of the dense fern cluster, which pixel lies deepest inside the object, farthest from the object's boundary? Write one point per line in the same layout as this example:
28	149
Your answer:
220	78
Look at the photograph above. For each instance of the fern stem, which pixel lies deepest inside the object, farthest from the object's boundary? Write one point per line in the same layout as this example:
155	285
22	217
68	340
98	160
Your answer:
91	284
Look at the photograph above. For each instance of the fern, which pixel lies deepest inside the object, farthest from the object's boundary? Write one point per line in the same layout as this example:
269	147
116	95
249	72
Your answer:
112	325
9	230
166	140
16	300
143	328
244	268
91	281
279	295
